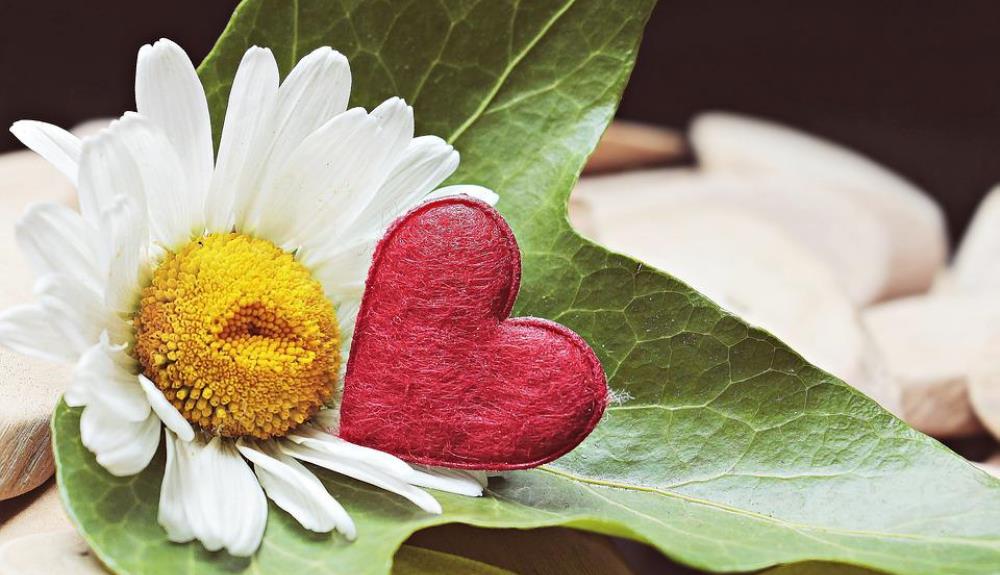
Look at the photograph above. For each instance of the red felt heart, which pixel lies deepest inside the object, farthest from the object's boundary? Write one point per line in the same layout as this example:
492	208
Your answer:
439	374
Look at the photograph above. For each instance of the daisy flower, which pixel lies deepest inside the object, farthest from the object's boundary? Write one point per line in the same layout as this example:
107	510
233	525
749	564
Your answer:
215	296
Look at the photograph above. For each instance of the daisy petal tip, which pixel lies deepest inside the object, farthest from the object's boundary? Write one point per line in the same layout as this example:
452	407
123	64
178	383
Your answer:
74	398
478	192
175	537
336	57
257	52
19	127
166	412
321	53
118	468
186	435
433	508
168	44
243	549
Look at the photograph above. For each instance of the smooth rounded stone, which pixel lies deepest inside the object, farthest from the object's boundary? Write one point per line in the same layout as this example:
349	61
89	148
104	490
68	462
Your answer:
976	267
984	386
930	345
40	511
48	553
916	228
838	230
28	394
754	269
991	465
581	216
626	145
28	387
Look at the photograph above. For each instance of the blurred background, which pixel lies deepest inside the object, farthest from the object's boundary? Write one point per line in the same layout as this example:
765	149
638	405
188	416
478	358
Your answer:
912	84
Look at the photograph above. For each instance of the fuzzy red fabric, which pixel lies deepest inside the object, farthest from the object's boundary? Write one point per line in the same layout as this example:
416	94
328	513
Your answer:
439	375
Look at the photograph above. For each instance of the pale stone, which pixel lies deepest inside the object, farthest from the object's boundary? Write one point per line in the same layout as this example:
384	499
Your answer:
627	145
976	267
47	554
930	345
28	387
984	386
845	235
38	512
27	397
991	465
581	216
915	224
753	268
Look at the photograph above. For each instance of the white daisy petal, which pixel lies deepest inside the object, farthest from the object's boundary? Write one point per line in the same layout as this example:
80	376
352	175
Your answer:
228	509
122	447
327	420
107	171
478	192
67	320
172	512
28	329
174	205
125	258
337	447
321	171
296	490
243	147
341	269
55	239
426	162
362	472
79	308
59	147
347	316
348	181
395	120
169	93
167	413
105	374
316	90
450	480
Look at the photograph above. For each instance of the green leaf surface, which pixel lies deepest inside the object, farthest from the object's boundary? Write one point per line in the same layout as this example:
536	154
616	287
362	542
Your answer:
731	453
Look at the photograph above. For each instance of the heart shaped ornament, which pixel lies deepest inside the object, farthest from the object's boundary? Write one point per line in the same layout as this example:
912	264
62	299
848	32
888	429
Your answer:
439	374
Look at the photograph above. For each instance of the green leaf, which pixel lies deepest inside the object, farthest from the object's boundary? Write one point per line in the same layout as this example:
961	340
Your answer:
730	454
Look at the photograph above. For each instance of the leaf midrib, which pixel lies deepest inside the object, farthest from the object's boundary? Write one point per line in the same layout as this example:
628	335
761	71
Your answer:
502	78
801	527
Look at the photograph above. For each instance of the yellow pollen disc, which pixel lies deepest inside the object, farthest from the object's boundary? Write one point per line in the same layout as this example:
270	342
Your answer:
238	336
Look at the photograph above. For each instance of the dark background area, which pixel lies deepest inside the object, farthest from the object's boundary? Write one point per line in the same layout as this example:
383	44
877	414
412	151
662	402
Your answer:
913	84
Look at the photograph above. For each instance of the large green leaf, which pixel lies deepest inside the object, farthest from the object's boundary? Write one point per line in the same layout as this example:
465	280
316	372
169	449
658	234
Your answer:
730	453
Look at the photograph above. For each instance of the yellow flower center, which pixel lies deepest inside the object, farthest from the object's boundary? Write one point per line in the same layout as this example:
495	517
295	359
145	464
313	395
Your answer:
238	336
